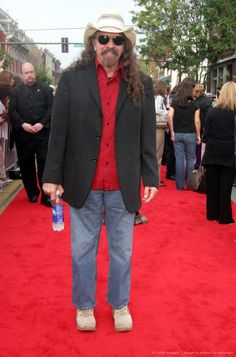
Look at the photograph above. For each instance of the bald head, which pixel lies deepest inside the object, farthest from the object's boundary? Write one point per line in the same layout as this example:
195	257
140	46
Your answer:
28	74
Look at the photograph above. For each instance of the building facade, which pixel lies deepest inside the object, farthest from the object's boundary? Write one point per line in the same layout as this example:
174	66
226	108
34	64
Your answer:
21	48
225	70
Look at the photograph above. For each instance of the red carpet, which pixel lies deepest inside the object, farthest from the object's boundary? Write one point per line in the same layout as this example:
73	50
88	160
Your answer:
183	297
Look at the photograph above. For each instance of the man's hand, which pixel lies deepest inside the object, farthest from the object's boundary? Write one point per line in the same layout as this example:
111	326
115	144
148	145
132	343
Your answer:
28	128
50	189
32	129
149	193
37	127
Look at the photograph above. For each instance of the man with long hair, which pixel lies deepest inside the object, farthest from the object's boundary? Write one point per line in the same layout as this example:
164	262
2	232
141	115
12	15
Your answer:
102	143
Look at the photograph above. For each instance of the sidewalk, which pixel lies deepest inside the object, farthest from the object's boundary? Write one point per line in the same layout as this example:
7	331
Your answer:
9	193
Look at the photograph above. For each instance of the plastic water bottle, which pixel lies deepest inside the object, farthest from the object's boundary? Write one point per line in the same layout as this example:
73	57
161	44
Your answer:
58	213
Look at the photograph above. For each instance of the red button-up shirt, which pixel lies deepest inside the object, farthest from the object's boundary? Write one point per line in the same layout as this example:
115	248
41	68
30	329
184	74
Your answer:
106	177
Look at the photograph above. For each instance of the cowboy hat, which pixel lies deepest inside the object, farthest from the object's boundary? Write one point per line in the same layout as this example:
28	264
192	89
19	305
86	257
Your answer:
110	22
199	88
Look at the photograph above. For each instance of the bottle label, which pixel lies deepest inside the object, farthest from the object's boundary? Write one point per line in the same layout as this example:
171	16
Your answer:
57	214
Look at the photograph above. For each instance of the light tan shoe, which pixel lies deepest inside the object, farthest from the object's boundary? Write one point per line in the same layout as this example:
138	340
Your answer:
85	320
122	319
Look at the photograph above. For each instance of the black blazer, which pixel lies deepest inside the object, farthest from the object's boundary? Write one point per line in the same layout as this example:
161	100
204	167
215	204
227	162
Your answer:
76	133
34	106
219	138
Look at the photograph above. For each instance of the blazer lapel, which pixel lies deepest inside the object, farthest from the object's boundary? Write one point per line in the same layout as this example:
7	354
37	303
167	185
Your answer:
122	96
90	77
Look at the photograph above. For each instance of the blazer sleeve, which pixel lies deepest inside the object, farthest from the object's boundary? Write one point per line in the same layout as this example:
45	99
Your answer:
53	171
150	174
15	117
48	98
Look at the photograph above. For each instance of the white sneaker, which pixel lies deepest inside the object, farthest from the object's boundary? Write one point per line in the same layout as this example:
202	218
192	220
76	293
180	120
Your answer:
122	319
85	320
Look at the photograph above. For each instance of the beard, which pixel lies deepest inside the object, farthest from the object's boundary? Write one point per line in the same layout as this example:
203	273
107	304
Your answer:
109	57
30	81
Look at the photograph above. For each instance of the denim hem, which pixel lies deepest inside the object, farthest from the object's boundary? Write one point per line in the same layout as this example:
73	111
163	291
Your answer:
84	308
120	307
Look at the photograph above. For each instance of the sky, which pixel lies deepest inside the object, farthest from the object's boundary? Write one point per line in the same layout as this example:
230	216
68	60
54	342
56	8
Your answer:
55	14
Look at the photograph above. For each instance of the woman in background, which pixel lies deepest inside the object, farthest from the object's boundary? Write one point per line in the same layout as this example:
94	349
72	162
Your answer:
218	158
4	95
160	92
6	83
184	124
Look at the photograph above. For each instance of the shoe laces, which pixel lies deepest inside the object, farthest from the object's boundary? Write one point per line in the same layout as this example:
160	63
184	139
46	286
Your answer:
86	313
123	311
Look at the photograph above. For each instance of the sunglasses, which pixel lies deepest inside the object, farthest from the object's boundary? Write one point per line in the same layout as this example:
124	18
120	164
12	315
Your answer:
117	40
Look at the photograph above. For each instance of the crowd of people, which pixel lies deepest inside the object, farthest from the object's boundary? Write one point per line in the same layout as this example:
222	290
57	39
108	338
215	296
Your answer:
200	132
111	129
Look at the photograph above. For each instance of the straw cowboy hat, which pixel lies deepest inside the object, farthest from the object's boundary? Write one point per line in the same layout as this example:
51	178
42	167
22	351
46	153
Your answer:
199	87
110	22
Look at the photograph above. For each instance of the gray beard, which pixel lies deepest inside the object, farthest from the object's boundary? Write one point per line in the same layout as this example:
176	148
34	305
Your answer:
108	61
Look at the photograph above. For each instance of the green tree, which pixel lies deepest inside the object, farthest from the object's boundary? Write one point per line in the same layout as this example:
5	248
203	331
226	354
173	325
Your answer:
43	74
143	66
220	21
182	34
6	59
155	28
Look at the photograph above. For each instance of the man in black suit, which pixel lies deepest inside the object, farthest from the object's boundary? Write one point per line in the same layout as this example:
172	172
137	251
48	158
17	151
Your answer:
102	144
30	114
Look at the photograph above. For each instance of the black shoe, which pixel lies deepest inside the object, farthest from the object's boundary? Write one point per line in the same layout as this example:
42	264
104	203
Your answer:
15	175
172	177
33	199
45	200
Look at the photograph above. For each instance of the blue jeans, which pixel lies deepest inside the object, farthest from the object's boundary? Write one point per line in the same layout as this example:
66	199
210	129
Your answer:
86	224
185	147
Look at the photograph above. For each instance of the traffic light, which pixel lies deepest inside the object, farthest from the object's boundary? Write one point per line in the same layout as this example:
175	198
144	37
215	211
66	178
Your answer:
64	45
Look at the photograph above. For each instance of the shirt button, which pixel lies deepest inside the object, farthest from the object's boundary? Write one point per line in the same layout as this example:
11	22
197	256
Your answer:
94	160
98	137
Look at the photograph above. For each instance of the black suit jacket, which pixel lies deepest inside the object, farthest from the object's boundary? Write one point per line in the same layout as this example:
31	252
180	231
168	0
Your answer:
76	133
31	106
